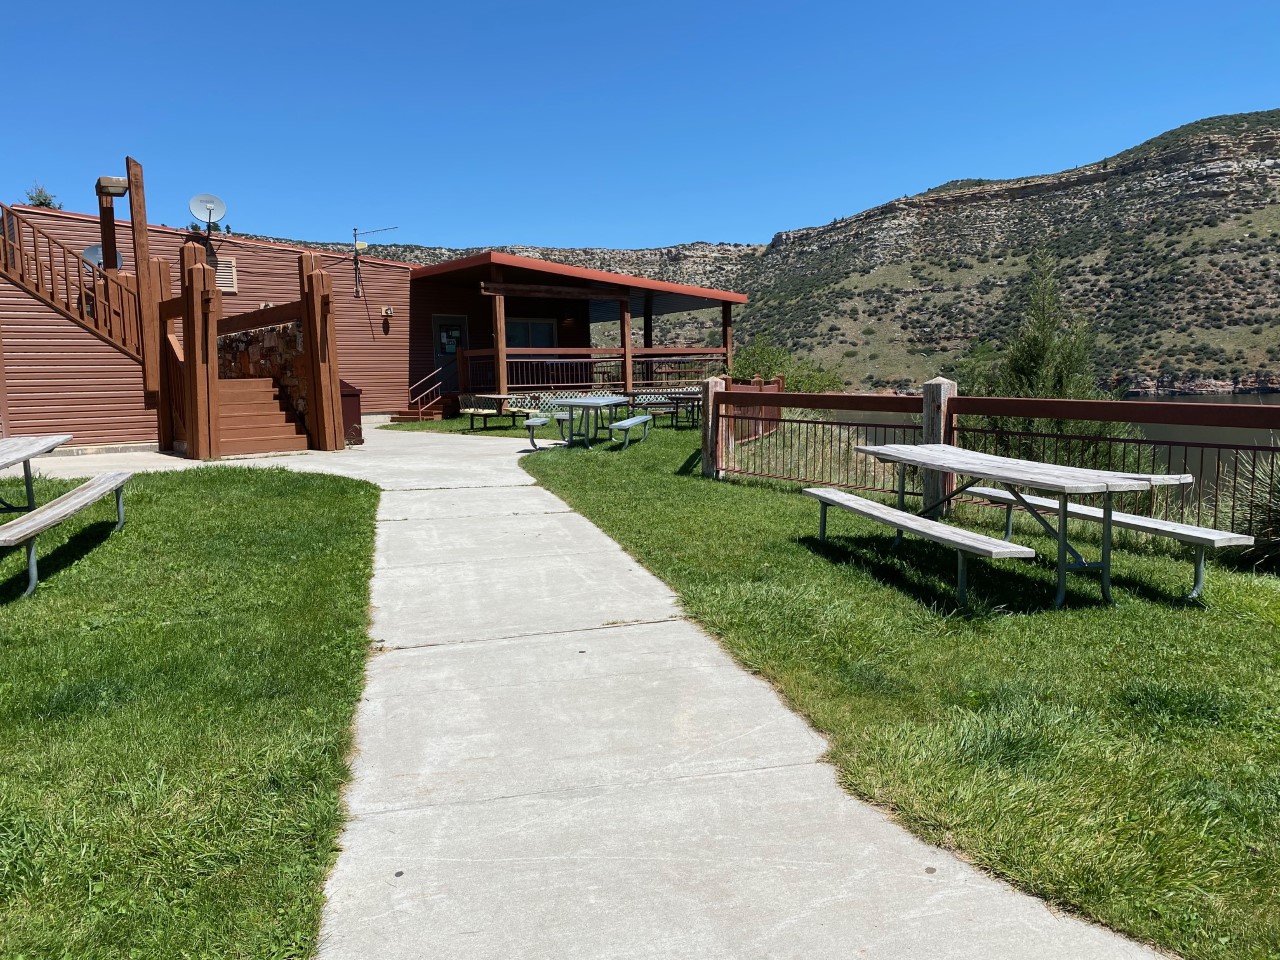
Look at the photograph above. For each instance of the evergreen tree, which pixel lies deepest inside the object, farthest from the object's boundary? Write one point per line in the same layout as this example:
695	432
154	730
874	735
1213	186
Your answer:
38	196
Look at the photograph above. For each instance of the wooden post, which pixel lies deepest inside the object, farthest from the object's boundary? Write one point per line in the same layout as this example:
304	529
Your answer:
165	396
210	313
624	328
711	426
107	228
329	346
148	296
937	394
197	384
726	334
648	320
4	391
499	335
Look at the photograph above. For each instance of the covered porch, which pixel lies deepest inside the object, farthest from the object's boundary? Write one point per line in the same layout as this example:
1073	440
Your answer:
505	324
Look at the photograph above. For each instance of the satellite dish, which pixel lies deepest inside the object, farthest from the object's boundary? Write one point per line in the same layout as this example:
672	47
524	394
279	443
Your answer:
207	208
94	255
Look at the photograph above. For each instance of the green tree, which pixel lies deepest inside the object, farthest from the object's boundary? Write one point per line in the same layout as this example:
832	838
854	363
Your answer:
764	357
1052	352
38	196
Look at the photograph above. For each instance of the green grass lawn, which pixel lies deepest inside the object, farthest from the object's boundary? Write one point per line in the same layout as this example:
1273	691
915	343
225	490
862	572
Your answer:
175	710
1120	761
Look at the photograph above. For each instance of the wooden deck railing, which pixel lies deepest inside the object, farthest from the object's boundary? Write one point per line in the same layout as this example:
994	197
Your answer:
104	304
591	368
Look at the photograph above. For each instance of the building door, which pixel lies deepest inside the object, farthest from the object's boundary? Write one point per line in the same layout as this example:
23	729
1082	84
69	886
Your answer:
449	335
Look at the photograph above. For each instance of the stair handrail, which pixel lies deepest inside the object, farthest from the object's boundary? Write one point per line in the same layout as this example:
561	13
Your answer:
83	292
436	372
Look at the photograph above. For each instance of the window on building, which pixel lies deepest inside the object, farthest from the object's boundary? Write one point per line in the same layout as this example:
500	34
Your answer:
539	334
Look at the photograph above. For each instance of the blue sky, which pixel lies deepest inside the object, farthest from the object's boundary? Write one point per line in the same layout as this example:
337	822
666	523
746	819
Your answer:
599	124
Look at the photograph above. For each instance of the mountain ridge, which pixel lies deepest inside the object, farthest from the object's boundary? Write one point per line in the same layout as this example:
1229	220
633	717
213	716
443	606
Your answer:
1171	249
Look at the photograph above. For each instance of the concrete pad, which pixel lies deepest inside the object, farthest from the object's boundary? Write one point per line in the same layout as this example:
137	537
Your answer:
623	704
774	863
508	597
477	502
459	540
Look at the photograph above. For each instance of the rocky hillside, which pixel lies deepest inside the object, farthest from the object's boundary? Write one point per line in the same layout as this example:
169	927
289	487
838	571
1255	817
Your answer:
1171	249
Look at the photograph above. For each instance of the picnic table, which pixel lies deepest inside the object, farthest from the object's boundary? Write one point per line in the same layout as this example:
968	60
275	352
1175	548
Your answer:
15	450
36	520
593	410
657	399
1063	482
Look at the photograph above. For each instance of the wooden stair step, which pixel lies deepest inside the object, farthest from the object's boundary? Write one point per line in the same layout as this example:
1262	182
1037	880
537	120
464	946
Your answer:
238	407
260	431
242	445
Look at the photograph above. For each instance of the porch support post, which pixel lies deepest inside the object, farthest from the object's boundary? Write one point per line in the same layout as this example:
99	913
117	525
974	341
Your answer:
726	334
499	333
624	327
648	321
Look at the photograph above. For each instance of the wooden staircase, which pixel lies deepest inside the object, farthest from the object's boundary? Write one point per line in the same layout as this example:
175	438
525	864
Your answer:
105	304
252	418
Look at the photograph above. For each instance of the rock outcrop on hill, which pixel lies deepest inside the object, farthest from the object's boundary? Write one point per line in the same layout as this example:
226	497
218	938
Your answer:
1171	250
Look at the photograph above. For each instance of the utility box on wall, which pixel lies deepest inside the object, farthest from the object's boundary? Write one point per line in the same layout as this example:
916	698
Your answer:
351	428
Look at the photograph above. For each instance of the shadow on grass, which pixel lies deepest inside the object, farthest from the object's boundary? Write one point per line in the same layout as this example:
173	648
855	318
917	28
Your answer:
692	464
49	565
917	568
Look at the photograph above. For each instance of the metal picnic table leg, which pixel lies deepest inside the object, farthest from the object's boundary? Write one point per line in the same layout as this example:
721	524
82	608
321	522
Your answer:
902	500
1198	586
1062	552
26	476
962	578
1106	546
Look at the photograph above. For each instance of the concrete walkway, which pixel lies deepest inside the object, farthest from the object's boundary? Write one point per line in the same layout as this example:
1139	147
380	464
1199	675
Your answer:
551	763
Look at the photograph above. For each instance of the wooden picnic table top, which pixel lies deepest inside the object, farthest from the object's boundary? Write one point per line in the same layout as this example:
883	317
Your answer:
19	449
1020	473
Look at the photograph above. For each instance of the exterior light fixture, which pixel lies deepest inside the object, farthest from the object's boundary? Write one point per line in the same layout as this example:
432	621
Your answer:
112	186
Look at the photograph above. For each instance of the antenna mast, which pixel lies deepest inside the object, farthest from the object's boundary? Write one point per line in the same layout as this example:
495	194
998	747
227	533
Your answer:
356	246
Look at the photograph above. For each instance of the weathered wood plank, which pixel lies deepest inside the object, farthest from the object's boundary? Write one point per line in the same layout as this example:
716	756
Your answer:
50	514
1184	532
17	449
966	540
1020	473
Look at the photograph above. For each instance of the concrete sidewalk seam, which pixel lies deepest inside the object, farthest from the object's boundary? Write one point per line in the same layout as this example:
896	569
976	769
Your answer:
610	785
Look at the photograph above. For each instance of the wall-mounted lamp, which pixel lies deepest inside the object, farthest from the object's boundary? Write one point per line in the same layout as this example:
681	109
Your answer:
112	186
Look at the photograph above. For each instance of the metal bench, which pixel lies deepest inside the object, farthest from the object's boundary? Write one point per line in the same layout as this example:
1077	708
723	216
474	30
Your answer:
533	422
962	541
484	413
626	425
37	521
1201	537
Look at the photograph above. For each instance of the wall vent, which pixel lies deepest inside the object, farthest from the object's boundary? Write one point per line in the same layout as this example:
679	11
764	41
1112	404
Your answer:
226	278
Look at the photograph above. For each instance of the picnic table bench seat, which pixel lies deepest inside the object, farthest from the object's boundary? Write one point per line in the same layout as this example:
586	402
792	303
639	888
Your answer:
23	532
626	425
484	413
1200	537
533	423
964	542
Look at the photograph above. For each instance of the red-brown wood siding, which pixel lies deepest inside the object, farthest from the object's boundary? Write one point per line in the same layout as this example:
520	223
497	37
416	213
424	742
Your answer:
59	378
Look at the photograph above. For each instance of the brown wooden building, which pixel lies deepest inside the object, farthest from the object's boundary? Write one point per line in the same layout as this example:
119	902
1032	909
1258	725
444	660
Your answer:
501	323
56	377
412	340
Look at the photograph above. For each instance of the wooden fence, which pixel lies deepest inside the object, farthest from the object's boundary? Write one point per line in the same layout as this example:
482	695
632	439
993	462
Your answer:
810	438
